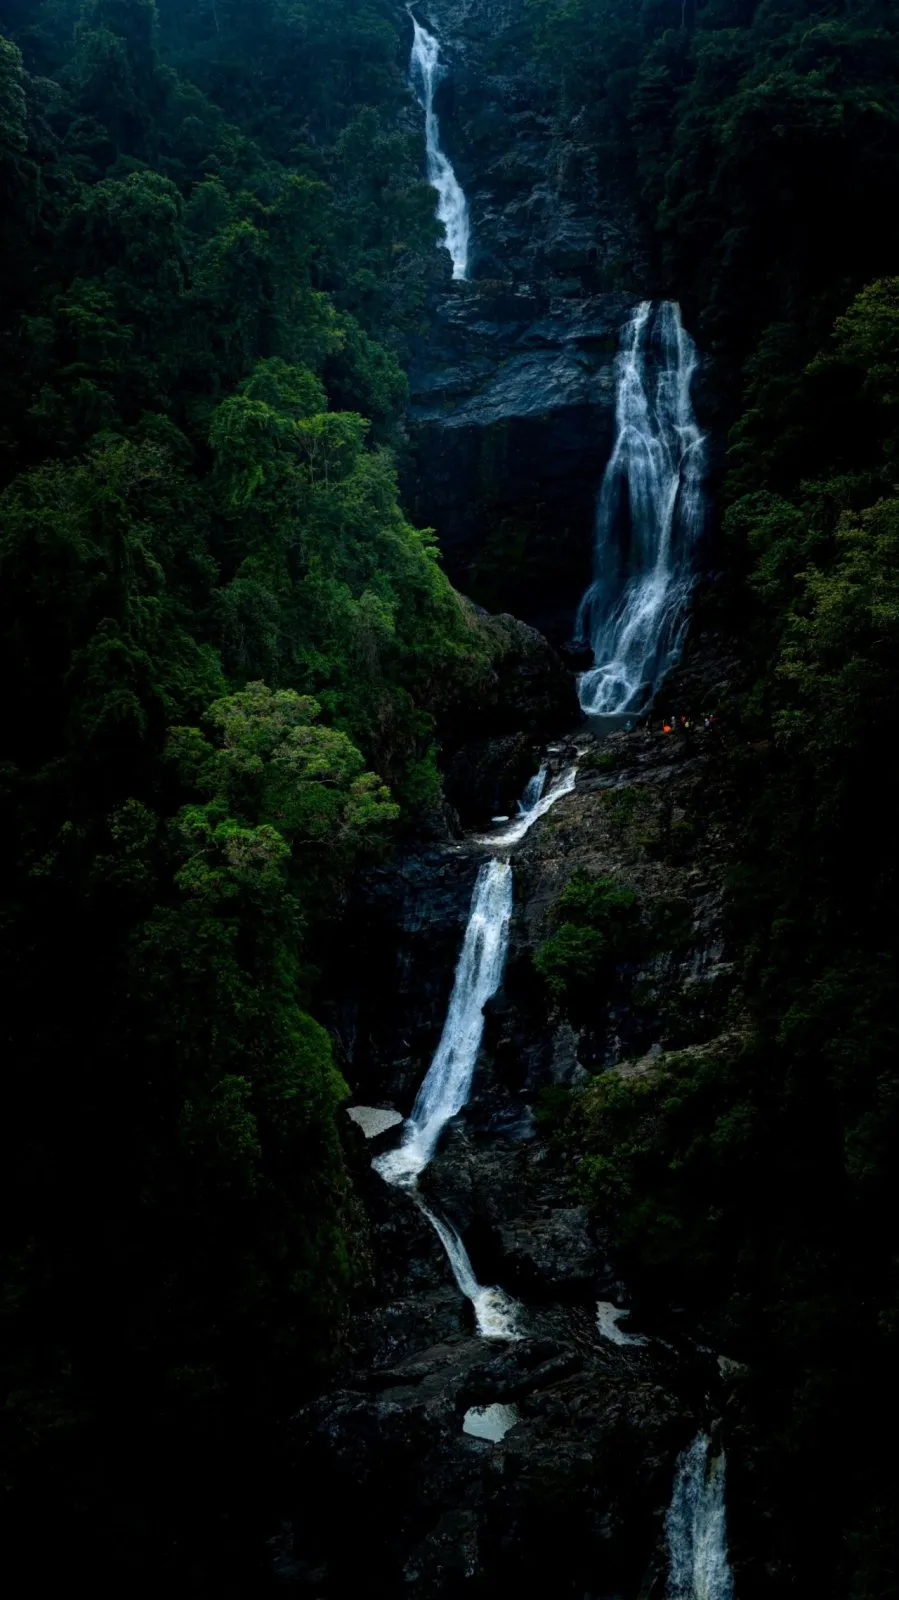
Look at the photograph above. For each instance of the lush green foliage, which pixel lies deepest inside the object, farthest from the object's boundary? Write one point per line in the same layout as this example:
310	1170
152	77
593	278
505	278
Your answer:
599	927
222	640
653	1149
762	140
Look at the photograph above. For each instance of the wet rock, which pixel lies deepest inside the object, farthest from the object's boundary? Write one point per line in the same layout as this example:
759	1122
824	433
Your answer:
546	1256
493	728
486	777
579	1485
546	1497
564	1067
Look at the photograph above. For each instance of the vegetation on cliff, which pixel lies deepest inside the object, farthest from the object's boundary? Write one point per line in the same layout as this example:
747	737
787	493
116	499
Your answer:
226	643
763	143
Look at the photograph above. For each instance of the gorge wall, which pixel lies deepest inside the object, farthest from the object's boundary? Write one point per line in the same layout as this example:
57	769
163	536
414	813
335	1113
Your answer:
512	390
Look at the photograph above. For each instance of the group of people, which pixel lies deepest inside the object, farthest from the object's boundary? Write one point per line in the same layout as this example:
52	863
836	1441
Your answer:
708	722
675	723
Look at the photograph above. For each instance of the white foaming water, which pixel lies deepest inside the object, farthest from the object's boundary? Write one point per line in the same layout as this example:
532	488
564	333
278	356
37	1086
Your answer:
448	1082
648	518
517	830
452	206
608	1317
533	791
495	1313
696	1527
478	976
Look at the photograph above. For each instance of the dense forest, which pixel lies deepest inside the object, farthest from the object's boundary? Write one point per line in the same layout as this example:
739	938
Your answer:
226	641
235	668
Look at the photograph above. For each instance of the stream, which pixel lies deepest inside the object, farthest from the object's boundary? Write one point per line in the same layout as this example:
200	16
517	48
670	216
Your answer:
540	1384
447	1085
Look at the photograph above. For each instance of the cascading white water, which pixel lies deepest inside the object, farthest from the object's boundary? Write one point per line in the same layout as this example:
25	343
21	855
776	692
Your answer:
608	1317
648	519
448	1081
533	791
527	817
696	1527
452	206
447	1084
495	1313
478	975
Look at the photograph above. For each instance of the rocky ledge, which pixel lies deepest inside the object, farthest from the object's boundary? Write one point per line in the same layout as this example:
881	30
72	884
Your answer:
511	418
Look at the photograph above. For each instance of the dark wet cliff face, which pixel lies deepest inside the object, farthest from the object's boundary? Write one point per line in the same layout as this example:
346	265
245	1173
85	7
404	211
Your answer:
511	422
512	410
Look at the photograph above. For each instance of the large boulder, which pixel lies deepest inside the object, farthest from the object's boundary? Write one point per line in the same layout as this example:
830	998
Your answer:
493	728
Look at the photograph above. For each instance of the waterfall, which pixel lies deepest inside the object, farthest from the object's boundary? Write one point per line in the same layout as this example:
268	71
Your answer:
531	813
452	206
493	1310
533	791
696	1526
448	1081
648	519
478	976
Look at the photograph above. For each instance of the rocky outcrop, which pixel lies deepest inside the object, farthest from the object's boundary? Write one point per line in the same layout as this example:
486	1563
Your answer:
565	1504
493	731
512	420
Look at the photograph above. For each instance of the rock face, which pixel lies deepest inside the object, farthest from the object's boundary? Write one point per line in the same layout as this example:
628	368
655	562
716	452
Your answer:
512	422
510	425
492	738
464	1515
512	407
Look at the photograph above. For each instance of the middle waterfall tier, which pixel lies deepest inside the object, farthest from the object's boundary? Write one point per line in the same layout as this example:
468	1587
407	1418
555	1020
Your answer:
495	1314
447	1084
478	976
649	518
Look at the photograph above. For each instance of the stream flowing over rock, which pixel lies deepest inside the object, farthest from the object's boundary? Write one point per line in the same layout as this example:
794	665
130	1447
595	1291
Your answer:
574	1494
485	1440
649	519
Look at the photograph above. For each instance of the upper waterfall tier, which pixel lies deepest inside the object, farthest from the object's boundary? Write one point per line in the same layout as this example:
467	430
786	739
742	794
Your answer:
452	206
648	519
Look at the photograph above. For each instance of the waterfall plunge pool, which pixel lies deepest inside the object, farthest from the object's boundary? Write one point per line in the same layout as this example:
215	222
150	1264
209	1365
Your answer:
490	1422
608	1317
